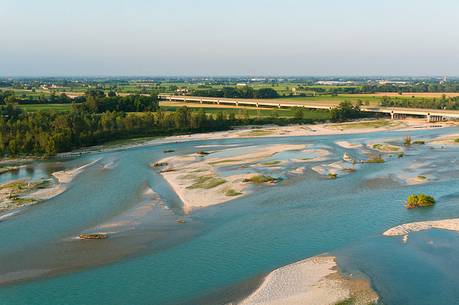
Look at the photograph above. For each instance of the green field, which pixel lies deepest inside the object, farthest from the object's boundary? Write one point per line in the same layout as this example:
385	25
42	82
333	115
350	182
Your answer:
46	107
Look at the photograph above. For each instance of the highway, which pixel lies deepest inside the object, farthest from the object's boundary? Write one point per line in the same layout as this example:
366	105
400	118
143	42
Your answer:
395	113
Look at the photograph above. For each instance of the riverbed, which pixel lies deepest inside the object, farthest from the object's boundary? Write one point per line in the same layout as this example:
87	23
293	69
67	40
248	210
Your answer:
159	253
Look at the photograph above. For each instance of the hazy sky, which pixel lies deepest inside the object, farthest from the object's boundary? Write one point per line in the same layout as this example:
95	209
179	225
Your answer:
232	37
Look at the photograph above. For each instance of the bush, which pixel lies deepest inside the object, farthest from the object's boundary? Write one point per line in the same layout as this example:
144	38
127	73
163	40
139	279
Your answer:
407	141
259	179
419	200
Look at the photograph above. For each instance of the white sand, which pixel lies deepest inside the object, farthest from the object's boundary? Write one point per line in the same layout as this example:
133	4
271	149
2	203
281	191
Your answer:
313	281
348	145
182	172
321	155
404	229
340	168
68	175
445	140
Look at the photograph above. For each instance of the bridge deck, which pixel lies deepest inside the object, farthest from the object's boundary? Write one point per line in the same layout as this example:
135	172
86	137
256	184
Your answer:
310	104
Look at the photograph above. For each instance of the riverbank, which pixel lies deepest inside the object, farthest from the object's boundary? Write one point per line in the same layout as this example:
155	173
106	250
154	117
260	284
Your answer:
313	281
21	193
404	229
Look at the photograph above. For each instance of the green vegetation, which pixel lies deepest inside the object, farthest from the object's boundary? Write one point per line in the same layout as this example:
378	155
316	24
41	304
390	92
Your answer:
375	159
236	92
260	179
224	161
258	133
352	301
345	111
206	182
386	147
332	175
419	142
46	107
92	123
407	141
232	193
456	140
419	200
366	124
270	163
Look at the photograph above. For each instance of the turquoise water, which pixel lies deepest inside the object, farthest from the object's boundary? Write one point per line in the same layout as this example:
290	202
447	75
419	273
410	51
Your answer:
162	262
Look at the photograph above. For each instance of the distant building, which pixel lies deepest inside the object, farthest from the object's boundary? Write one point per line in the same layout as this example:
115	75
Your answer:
334	83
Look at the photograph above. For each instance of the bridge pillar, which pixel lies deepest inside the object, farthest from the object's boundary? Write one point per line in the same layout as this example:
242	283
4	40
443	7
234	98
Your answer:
237	104
392	115
200	101
257	104
218	102
278	106
429	119
170	98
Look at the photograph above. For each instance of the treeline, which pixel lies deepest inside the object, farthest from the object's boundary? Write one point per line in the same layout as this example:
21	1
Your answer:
435	103
236	92
373	88
96	101
48	133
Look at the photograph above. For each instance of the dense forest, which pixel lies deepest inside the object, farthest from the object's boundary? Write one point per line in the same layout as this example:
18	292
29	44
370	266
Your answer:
101	118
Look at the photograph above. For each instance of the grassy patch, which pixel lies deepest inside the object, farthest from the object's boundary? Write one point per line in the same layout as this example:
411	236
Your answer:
258	132
232	193
270	163
386	147
224	161
22	201
367	124
259	179
375	159
46	107
332	176
206	182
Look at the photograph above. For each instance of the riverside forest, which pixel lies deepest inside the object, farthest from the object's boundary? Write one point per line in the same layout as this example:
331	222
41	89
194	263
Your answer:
45	116
98	119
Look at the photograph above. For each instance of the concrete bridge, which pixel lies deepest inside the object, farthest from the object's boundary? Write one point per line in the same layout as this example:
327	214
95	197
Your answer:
432	115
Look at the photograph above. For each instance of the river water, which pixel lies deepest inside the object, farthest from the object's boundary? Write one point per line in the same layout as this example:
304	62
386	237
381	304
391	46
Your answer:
152	259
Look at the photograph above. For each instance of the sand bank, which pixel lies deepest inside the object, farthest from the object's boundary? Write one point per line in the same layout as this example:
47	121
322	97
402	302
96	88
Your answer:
68	175
21	193
336	168
348	145
313	281
196	181
451	139
404	229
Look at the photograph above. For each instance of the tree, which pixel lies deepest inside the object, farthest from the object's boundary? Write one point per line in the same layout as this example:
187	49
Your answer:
345	111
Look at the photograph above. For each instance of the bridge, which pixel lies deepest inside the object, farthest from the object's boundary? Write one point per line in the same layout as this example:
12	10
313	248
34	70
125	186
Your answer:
432	115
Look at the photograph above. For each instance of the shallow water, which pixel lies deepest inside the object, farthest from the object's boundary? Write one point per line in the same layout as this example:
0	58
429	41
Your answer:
163	262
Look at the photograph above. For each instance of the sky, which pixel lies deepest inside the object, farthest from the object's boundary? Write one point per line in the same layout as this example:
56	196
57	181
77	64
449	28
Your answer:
215	37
